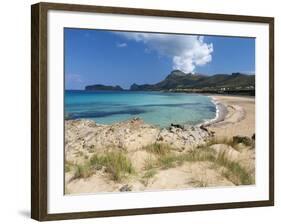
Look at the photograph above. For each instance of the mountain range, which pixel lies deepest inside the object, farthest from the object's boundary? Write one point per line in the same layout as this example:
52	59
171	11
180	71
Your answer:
180	80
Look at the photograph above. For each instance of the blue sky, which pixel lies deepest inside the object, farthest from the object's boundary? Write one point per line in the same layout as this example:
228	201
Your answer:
124	58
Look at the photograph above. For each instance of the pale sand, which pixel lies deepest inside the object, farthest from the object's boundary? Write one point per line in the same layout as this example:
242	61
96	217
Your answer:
240	117
236	117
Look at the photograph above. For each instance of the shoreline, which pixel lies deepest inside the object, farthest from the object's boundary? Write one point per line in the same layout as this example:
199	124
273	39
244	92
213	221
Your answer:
221	112
235	115
157	159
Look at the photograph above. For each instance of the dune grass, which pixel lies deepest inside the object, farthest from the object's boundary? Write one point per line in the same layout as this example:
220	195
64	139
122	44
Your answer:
158	148
235	172
68	166
169	160
84	170
166	159
163	156
148	175
149	163
115	163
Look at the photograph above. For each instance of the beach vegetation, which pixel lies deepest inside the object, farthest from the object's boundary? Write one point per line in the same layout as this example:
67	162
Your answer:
243	140
68	165
149	163
84	170
233	171
115	163
168	161
158	148
148	175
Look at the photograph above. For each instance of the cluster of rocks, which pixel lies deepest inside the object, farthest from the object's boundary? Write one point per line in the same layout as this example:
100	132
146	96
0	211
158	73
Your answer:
129	135
183	137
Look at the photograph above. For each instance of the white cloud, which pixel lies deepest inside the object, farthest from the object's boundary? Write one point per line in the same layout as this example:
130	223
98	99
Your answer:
121	45
186	51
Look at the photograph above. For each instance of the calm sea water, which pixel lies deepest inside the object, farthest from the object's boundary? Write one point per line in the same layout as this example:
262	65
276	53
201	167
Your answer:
156	108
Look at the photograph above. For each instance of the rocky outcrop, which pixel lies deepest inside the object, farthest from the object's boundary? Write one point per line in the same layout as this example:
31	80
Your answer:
128	135
183	138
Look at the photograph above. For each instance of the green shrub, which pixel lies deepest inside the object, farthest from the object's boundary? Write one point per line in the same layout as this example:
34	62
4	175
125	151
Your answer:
243	139
148	175
84	170
169	161
158	148
68	166
115	163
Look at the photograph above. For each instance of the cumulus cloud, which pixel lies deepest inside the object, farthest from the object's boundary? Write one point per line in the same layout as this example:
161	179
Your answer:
186	51
121	45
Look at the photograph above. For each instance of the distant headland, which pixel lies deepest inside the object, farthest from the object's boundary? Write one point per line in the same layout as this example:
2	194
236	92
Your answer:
178	81
103	87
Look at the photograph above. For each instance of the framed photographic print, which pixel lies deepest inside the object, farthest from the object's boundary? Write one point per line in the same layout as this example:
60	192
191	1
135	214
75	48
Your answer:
138	111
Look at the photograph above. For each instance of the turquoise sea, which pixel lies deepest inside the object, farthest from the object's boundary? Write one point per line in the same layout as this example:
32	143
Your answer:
157	108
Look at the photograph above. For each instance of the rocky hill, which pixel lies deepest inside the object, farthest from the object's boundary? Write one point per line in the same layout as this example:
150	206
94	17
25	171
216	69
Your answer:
180	80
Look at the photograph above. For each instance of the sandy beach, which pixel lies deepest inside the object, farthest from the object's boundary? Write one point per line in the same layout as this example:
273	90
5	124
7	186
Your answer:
236	116
135	156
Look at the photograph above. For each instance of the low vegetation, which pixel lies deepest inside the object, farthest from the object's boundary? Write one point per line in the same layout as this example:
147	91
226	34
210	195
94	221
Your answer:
158	148
68	166
148	175
233	171
83	170
163	156
114	163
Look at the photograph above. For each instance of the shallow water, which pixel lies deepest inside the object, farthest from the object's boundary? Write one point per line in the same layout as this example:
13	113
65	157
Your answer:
157	108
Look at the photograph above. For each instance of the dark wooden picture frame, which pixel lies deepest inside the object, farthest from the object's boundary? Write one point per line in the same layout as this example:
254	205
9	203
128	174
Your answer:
39	107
